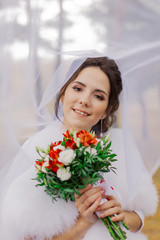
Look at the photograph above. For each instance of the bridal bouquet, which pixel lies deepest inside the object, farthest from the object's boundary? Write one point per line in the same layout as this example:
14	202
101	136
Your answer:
73	163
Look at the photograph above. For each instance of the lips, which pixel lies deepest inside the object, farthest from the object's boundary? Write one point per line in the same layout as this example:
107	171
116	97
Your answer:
81	112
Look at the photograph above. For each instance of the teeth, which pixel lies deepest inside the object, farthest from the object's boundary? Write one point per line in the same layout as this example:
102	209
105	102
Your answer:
82	113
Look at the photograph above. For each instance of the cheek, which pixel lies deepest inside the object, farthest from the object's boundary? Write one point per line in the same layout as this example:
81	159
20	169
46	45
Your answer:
101	108
67	97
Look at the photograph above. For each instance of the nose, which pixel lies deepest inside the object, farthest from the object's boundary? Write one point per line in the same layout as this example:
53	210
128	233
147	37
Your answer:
85	100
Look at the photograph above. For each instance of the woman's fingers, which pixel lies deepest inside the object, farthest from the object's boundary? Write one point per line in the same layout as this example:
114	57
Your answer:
111	207
86	202
88	192
109	204
109	197
119	217
93	207
83	190
110	212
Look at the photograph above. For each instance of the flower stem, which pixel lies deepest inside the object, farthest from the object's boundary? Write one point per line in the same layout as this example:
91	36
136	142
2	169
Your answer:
125	225
111	231
114	228
117	228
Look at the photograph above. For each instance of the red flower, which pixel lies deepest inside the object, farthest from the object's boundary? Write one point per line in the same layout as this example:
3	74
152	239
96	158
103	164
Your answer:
53	165
55	144
67	135
69	141
54	154
86	138
40	163
71	144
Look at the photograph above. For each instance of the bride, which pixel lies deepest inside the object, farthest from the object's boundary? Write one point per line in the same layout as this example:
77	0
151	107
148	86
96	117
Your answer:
89	98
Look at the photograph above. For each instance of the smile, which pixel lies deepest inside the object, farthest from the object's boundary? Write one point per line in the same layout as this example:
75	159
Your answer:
81	112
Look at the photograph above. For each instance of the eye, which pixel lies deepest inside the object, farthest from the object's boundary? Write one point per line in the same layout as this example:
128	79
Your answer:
99	97
77	89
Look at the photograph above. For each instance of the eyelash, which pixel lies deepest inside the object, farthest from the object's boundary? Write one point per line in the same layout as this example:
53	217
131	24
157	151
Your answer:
78	89
99	97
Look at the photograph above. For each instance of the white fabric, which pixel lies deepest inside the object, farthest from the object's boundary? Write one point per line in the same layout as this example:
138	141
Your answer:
28	210
121	31
141	215
127	31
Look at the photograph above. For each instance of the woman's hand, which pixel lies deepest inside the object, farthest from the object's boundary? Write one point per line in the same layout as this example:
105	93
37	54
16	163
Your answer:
88	202
111	207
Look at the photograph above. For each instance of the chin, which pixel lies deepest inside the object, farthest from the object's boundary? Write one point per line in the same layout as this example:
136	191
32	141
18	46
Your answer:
79	127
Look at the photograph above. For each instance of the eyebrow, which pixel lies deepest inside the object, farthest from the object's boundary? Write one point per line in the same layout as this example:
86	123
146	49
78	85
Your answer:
96	90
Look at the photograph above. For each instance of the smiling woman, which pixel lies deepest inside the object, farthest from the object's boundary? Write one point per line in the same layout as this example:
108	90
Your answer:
83	100
89	94
92	93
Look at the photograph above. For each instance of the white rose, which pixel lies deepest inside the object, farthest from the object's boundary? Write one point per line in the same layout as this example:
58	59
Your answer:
67	156
59	147
64	173
90	150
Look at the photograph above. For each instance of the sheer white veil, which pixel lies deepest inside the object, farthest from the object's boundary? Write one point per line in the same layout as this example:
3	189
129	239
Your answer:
127	31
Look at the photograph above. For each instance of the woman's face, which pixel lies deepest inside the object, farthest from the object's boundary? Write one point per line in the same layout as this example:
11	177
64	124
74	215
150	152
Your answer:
86	99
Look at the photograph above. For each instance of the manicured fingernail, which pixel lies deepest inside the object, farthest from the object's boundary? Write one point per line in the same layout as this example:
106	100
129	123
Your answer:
101	215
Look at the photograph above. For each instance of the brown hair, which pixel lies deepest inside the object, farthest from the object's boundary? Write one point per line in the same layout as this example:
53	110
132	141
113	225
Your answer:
110	68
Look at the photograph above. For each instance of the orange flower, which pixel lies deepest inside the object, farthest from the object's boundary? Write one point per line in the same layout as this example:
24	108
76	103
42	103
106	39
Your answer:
40	163
71	144
54	154
55	144
67	135
70	141
53	165
86	138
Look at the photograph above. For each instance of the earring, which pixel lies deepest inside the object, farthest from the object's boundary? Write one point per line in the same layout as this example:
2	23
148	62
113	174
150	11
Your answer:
101	133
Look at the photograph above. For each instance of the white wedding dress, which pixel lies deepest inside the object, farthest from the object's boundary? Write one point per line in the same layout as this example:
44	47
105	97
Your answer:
28	211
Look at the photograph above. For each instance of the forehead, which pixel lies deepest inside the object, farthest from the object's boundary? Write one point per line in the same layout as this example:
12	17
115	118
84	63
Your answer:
93	76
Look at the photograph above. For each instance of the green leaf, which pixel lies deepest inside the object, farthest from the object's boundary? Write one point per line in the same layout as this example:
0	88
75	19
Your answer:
113	160
73	198
40	174
63	194
63	143
42	184
112	155
37	149
108	146
76	191
98	146
94	175
81	186
69	190
104	156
